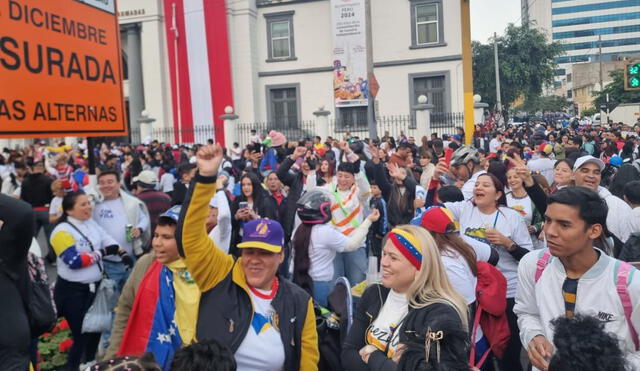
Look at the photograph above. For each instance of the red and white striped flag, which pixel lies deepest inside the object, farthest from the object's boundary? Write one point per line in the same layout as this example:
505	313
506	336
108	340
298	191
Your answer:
200	68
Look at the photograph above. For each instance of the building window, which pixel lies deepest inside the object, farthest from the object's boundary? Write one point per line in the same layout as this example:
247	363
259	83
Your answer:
280	36
569	77
426	23
434	87
569	94
283	106
350	118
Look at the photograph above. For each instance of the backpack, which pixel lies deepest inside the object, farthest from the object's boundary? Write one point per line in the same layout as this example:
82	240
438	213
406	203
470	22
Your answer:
333	324
631	250
623	275
39	304
491	304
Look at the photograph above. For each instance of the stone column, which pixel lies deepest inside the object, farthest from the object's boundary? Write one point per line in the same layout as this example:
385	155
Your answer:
478	111
134	62
322	123
230	123
423	117
145	122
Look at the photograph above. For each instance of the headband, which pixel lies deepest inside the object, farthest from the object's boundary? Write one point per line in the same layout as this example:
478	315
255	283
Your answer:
407	245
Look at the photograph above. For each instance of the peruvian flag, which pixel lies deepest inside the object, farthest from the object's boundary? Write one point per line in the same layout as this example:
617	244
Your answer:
200	68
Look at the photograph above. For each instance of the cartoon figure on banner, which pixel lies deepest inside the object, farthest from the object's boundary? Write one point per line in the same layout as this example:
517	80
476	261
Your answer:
343	88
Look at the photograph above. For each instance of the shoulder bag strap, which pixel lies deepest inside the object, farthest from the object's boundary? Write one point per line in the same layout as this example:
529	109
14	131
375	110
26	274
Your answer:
623	272
543	261
86	239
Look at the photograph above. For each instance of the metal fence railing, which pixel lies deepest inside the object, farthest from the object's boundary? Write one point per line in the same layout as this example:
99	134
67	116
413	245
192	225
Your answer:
304	129
393	125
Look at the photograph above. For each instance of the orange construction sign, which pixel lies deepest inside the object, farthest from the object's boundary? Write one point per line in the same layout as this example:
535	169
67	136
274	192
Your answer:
60	69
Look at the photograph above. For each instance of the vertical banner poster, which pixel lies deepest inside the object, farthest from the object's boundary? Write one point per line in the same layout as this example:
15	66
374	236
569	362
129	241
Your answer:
60	69
350	86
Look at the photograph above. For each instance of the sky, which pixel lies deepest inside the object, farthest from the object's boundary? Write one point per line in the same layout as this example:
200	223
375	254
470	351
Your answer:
489	16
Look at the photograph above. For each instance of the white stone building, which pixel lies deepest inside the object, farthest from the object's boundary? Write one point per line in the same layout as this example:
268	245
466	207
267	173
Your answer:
281	58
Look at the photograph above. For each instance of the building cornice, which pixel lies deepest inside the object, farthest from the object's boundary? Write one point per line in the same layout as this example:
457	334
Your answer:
401	62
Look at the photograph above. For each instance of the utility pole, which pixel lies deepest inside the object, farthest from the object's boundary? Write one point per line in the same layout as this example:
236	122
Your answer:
467	71
495	59
371	101
600	60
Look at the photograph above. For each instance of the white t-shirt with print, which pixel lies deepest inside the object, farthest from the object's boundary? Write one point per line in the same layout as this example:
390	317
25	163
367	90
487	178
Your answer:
262	347
112	217
384	331
507	221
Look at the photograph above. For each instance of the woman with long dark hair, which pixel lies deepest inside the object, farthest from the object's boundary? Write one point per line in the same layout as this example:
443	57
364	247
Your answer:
253	203
316	243
486	218
399	191
626	174
80	244
327	171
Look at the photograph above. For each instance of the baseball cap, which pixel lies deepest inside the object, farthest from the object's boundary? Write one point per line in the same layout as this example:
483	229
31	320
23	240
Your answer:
438	219
173	213
546	148
263	234
588	159
147	178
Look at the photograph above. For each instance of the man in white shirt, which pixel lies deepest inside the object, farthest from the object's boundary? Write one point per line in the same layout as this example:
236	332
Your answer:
114	210
254	138
587	173
573	277
543	164
495	143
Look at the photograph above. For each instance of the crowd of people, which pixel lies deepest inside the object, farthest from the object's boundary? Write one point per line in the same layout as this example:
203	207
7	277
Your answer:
487	256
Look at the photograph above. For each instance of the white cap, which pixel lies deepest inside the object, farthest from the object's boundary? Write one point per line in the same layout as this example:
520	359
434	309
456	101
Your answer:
147	177
588	159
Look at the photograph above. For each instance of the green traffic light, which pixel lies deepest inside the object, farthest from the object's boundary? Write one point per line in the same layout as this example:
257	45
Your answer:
635	69
634	82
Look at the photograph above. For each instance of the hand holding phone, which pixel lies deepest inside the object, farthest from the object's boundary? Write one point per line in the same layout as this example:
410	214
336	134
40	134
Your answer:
448	154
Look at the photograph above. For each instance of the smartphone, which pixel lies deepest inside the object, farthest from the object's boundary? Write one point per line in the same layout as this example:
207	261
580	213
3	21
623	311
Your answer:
244	204
448	153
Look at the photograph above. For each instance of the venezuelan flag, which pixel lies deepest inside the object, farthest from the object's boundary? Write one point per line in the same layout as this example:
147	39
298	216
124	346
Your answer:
151	326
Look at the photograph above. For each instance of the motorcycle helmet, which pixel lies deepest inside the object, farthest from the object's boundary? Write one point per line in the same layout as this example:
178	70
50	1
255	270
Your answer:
314	207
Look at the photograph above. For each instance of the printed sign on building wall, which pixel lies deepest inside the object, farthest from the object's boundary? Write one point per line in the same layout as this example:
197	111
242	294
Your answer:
60	69
349	53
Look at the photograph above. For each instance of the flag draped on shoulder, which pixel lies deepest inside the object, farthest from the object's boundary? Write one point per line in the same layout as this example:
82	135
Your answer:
151	326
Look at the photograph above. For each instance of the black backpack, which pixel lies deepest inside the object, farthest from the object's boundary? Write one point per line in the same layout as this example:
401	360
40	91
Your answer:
333	325
39	302
631	250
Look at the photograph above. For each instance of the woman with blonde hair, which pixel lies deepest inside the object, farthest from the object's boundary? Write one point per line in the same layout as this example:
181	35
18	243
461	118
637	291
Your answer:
414	302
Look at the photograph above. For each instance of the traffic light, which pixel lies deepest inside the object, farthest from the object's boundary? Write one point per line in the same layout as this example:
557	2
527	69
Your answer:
632	76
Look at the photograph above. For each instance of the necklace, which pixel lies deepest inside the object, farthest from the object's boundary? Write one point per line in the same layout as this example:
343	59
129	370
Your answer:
271	295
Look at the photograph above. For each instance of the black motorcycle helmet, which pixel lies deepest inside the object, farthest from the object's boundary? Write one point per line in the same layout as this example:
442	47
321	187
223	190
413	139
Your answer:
314	207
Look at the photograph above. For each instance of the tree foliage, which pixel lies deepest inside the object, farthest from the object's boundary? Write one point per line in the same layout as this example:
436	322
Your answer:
535	104
616	91
526	61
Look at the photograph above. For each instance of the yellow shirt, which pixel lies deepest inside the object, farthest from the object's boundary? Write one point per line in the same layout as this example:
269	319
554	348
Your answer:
187	301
